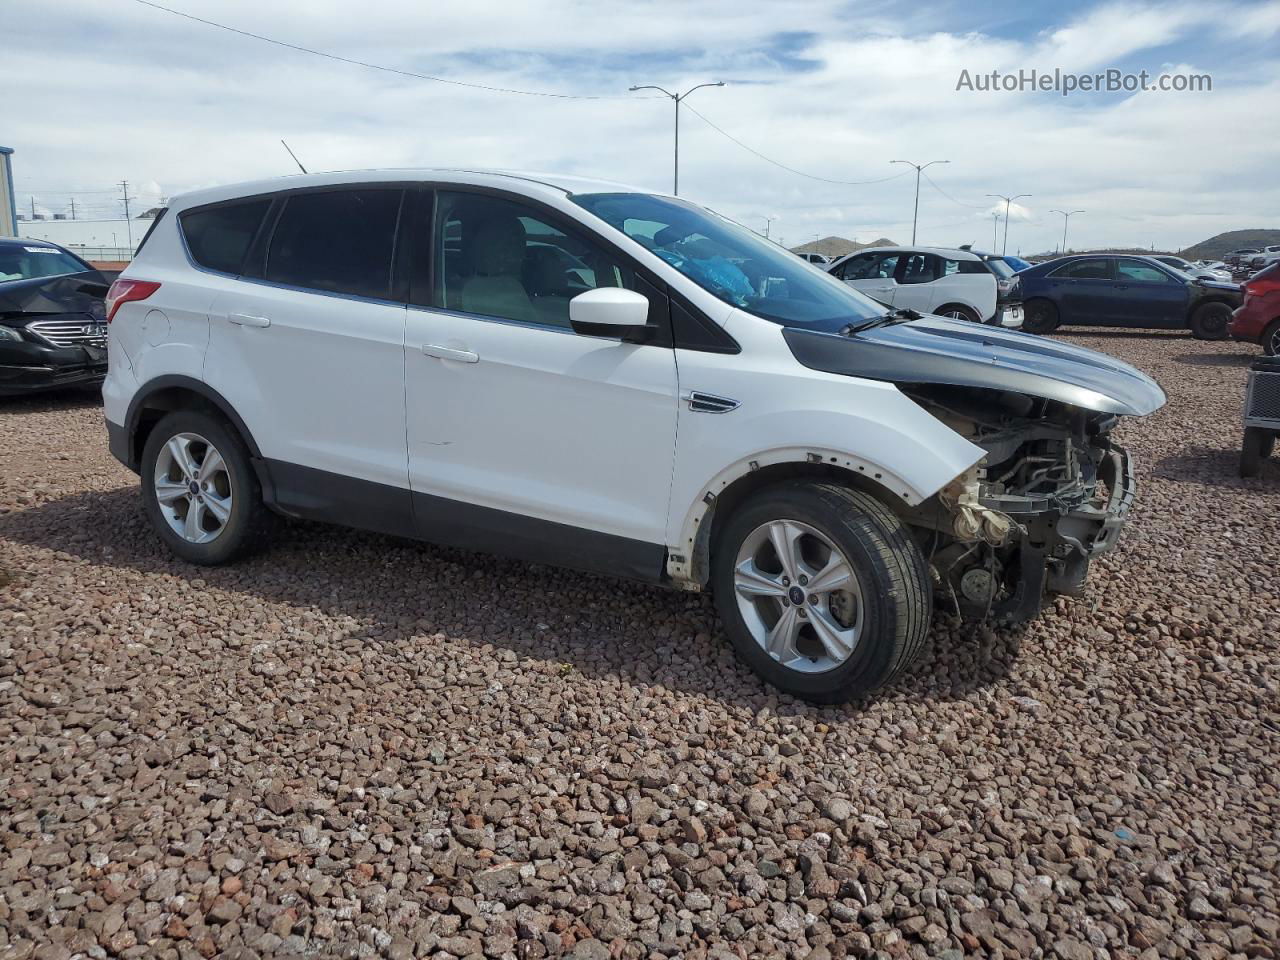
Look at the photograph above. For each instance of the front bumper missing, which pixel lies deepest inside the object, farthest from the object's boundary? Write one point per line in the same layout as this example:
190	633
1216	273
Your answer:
1057	542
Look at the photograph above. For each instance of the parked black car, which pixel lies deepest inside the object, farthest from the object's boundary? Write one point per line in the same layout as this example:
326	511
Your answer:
53	329
1116	291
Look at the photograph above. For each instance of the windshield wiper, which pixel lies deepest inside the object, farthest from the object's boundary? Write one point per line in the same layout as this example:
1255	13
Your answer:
898	315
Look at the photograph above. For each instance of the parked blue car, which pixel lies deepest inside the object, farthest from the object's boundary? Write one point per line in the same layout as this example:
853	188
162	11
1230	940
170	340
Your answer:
1124	291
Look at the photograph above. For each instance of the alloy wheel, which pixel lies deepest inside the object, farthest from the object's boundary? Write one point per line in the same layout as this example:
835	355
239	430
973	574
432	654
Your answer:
193	488
799	596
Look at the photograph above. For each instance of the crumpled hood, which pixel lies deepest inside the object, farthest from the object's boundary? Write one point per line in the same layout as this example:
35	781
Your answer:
70	293
955	352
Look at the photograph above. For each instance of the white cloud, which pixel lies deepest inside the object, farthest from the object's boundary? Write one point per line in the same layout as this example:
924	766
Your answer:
98	94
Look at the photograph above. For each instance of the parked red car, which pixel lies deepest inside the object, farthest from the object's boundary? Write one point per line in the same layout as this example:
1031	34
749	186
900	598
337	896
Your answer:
1258	319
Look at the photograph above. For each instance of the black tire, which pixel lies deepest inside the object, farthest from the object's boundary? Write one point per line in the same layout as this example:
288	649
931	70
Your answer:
897	592
1271	340
1258	445
1210	321
958	311
249	523
1040	317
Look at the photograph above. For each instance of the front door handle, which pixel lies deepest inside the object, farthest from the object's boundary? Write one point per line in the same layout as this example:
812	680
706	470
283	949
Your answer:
247	320
449	353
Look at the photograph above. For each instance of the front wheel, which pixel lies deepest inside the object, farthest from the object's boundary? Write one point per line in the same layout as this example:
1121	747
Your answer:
1271	340
1039	316
199	489
822	590
1210	321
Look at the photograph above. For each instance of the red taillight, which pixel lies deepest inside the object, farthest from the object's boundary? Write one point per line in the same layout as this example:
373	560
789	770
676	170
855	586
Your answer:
125	291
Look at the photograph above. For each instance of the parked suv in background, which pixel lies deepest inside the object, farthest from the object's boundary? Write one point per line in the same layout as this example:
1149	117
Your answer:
53	330
1121	291
584	374
935	280
1258	319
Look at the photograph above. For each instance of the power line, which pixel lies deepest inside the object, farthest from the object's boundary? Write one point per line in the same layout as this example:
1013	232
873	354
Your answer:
984	206
376	66
783	166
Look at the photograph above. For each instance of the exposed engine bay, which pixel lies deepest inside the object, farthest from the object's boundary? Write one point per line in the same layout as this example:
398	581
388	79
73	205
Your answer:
1051	493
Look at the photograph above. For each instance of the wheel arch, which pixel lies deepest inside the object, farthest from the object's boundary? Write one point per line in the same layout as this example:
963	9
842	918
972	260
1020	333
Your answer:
959	305
172	392
689	565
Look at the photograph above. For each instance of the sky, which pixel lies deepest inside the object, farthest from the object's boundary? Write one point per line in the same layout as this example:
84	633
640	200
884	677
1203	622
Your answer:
99	91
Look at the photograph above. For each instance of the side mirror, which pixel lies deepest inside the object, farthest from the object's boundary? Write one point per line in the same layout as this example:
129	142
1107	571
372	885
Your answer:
611	312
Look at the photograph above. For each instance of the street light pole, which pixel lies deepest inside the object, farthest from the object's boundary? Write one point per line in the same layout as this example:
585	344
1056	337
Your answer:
677	97
920	168
1066	216
1008	202
995	226
768	222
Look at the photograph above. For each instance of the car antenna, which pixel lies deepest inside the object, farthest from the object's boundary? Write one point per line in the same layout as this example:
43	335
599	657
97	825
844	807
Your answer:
295	156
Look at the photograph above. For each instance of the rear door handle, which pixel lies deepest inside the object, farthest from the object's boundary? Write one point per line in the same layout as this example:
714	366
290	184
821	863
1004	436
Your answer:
449	353
247	320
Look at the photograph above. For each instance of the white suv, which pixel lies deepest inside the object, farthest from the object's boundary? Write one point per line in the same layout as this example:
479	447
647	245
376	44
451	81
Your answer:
588	375
936	280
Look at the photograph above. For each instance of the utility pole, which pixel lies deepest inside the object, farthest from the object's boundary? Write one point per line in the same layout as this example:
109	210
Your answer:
124	188
1066	218
73	208
677	97
1008	202
920	168
33	208
768	222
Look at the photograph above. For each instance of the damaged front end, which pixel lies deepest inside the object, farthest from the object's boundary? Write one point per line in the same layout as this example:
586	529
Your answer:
1052	492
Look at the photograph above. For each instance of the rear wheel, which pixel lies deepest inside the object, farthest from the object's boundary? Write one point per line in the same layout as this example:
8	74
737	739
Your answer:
822	590
199	489
1039	316
1210	321
958	311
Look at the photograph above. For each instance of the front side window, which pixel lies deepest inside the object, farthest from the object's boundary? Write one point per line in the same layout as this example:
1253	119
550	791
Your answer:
500	258
31	258
994	265
338	241
1084	270
218	237
1139	272
732	263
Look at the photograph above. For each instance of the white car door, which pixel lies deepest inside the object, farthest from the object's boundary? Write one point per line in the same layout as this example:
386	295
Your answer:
525	437
312	357
872	274
917	282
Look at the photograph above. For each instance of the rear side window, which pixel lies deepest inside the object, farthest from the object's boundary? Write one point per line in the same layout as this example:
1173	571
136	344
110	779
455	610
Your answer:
219	237
1084	270
919	268
339	241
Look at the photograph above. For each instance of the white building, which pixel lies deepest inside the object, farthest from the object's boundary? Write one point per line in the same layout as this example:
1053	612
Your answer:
91	239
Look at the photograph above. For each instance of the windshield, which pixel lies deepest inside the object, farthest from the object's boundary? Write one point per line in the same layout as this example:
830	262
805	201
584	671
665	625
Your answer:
26	261
733	263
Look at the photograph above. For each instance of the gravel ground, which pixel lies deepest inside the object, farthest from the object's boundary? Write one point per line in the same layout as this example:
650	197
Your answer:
356	746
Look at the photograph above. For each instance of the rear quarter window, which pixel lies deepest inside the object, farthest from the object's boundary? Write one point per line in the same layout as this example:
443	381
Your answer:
219	237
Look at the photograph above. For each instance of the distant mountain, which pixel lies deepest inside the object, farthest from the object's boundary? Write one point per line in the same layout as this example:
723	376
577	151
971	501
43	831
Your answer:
839	246
1215	248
